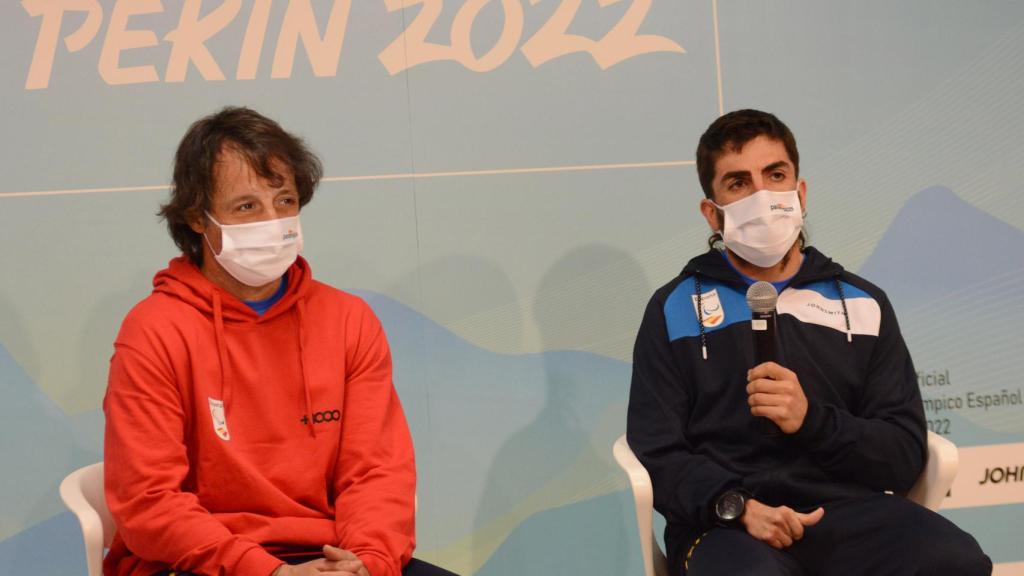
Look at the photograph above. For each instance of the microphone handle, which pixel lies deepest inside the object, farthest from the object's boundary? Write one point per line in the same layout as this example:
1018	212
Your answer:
764	336
763	325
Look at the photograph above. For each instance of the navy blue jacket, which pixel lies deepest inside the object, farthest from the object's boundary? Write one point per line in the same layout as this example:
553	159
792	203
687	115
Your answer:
689	422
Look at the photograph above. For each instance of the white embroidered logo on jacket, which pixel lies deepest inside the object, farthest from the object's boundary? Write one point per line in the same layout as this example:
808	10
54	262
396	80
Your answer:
220	421
713	314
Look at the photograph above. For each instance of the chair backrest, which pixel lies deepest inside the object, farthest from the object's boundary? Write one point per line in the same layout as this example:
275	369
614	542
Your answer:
83	494
655	563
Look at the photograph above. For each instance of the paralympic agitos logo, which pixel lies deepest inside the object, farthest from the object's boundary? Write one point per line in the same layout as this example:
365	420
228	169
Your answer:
322	417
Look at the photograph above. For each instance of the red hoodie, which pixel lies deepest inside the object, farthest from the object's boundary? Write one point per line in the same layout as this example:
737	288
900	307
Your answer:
234	440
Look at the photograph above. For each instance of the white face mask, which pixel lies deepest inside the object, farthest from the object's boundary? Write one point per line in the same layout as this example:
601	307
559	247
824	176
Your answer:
258	253
762	227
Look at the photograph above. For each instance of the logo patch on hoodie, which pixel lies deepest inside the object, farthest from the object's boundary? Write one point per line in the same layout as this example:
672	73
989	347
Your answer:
220	421
713	313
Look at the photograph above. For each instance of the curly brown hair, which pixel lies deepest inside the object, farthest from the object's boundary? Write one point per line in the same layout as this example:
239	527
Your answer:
260	140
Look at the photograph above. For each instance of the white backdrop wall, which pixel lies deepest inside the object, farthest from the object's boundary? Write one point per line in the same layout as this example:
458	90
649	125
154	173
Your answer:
507	183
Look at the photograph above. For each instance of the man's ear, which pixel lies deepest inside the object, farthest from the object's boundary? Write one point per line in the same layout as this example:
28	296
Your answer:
801	191
196	221
711	214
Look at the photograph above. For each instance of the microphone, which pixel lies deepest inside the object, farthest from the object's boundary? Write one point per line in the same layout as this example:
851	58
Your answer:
761	298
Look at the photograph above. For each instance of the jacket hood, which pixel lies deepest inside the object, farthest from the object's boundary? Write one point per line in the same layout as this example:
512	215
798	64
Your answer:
712	264
184	281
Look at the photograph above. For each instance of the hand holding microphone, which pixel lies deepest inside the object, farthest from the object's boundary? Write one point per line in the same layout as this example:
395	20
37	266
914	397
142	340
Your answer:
773	392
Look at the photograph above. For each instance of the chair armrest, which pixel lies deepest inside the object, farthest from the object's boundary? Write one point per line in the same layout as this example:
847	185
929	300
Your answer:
939	472
88	518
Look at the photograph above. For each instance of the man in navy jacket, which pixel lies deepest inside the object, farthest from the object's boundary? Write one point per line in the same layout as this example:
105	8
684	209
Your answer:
780	467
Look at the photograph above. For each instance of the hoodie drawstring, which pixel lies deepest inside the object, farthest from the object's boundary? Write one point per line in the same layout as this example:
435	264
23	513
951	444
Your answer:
846	314
302	361
700	316
222	354
222	351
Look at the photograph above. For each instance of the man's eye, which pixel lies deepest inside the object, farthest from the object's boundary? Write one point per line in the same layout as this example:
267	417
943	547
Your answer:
736	185
778	176
246	207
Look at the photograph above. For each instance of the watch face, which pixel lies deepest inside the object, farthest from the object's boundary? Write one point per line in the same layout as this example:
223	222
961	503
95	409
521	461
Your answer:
730	506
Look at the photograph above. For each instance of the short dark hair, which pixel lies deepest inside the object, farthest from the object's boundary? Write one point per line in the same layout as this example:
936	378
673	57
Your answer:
260	140
731	132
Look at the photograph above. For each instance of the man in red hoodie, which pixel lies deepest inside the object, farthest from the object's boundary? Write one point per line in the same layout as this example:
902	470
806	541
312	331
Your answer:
252	424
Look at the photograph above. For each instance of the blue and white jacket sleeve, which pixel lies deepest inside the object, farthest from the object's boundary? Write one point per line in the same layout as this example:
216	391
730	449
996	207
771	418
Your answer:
882	446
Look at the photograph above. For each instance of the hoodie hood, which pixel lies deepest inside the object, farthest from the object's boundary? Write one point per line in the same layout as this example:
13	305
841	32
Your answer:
182	280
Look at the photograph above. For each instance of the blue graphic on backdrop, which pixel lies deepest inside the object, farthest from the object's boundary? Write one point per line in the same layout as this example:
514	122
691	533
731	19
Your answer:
495	450
938	245
41	444
955	274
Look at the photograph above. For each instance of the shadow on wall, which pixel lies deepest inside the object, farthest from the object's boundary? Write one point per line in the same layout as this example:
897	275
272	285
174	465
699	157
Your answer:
438	375
592	296
96	346
16	338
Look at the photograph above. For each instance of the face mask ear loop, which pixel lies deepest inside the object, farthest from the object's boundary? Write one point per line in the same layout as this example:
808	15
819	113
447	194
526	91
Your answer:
207	238
721	218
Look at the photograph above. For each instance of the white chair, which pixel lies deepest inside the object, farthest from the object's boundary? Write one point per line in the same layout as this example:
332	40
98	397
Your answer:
82	493
938	475
929	490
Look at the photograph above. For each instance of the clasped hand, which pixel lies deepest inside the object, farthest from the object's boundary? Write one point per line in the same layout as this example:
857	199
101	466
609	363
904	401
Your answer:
336	562
777	526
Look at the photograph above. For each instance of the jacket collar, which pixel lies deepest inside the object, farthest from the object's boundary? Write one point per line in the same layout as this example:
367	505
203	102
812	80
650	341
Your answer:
712	264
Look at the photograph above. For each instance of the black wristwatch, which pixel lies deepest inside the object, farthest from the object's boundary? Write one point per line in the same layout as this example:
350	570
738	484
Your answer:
729	507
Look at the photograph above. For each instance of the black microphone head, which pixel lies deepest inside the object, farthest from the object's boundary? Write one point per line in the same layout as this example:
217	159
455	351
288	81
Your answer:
761	297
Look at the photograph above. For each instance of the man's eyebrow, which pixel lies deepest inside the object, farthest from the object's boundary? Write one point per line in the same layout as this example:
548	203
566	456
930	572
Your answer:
735	174
243	198
776	166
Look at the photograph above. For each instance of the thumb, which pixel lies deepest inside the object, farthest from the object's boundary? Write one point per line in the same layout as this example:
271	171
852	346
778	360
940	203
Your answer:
334	553
812	518
764	370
